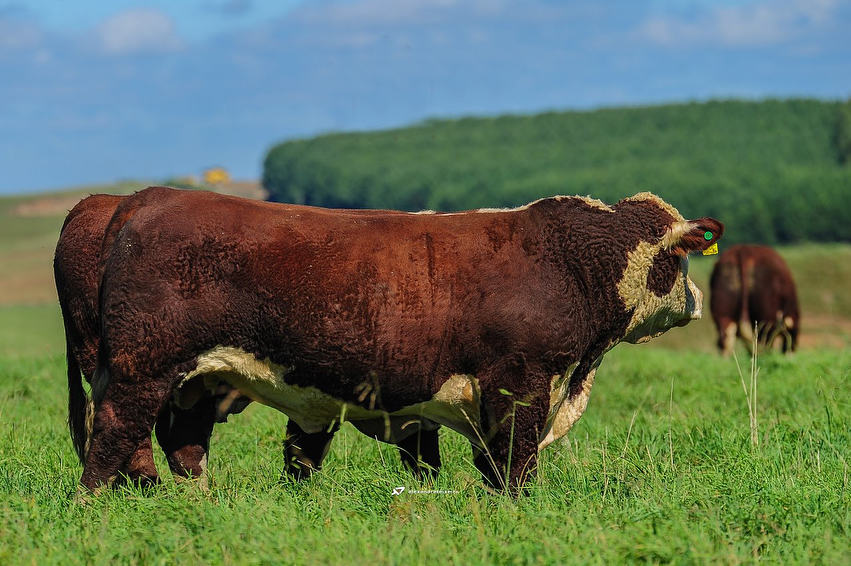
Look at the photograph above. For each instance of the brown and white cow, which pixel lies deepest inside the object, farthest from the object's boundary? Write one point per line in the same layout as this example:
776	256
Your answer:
491	322
753	287
184	434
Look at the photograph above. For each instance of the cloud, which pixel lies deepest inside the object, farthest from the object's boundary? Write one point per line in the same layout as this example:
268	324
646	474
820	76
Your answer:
142	30
766	23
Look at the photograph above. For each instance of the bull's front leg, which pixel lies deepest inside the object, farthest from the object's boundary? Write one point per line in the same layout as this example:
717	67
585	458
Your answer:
420	453
304	452
514	412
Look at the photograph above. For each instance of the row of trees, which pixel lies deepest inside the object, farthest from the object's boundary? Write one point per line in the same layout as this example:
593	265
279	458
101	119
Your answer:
771	170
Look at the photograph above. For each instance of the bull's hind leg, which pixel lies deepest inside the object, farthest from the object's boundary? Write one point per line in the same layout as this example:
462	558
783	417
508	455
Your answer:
123	420
304	452
184	435
420	453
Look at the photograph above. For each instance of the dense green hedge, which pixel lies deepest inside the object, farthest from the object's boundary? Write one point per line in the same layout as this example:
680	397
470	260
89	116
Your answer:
771	170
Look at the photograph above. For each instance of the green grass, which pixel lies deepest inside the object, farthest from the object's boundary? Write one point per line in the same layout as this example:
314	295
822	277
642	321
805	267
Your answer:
31	330
645	476
660	469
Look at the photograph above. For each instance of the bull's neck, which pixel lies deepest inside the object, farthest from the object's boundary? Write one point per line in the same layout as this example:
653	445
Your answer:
583	246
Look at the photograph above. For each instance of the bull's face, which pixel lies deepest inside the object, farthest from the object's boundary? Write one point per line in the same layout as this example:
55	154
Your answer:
656	286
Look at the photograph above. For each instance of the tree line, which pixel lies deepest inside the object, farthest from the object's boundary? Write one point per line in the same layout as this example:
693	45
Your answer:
774	171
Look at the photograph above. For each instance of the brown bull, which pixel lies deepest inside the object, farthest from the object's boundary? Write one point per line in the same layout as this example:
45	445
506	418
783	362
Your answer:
491	322
752	287
184	434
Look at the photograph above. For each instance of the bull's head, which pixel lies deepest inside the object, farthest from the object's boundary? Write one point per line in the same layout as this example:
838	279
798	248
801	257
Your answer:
655	284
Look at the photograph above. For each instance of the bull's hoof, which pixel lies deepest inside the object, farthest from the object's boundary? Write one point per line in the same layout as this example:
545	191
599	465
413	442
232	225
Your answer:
298	471
143	482
84	495
201	481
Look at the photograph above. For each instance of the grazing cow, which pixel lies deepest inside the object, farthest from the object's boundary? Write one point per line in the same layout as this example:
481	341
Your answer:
752	286
491	322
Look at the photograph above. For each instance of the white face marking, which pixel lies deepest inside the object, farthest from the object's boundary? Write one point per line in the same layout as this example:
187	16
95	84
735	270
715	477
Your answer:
455	405
654	315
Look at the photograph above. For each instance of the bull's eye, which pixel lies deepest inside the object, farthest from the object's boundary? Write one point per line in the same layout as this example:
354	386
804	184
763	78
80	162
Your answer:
707	235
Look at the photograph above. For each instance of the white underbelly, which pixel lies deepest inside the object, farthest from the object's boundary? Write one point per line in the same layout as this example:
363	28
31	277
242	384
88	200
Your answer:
455	405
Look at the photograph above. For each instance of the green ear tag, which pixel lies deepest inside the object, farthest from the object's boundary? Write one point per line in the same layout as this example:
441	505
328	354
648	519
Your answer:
707	235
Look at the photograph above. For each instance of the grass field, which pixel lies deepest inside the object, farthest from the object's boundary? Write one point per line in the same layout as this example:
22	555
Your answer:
661	468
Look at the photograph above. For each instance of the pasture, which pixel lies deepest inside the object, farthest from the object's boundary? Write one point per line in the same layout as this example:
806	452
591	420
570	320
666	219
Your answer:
661	468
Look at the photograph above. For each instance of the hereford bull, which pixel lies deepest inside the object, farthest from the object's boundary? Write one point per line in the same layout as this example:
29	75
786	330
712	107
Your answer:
492	322
184	434
753	287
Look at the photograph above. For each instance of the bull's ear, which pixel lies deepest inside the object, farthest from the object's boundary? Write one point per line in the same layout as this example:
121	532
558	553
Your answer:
690	236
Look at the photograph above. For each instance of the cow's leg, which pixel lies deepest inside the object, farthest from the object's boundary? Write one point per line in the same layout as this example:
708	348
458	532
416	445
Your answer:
790	342
420	453
512	452
184	435
727	330
514	410
304	452
123	419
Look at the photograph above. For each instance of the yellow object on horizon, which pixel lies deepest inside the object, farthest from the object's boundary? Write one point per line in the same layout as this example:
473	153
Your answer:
216	176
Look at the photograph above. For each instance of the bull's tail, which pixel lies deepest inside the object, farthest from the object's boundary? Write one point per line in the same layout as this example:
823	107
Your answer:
79	404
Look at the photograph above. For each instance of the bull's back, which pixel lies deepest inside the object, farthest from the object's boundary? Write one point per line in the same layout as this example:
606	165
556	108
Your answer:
358	287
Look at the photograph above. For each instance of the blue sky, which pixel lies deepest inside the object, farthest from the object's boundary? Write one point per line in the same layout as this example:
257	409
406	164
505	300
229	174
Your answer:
94	91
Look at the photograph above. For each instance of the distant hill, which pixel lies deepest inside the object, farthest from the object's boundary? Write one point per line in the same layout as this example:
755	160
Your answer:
771	170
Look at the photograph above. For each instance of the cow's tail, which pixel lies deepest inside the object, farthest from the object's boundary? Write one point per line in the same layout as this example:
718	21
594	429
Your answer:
80	410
